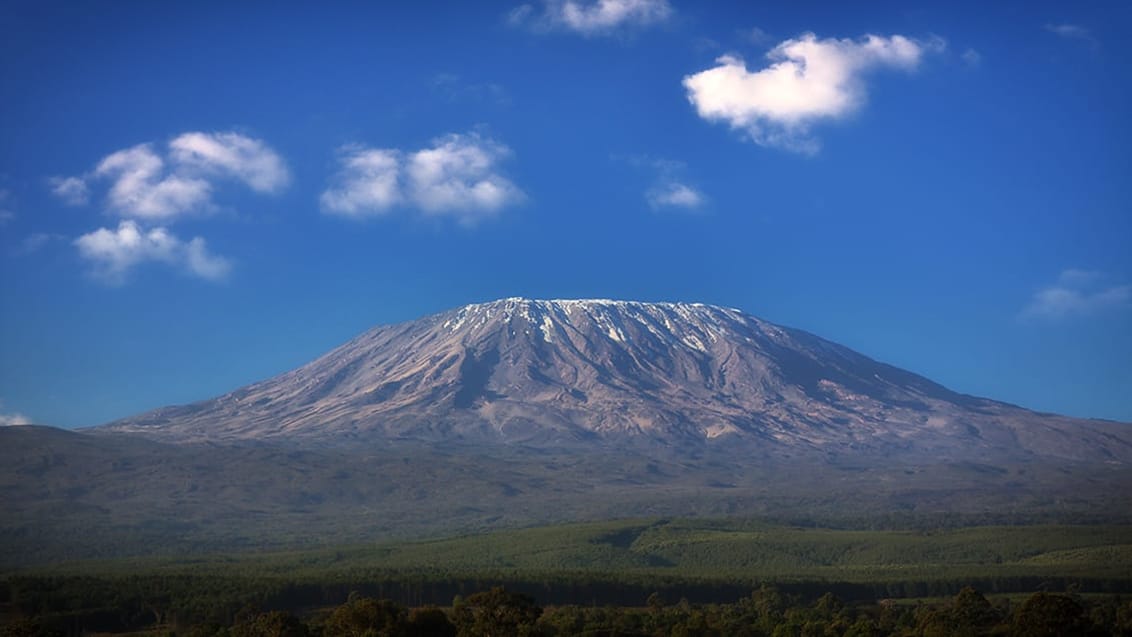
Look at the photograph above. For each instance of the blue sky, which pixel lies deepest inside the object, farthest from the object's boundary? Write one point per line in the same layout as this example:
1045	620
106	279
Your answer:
194	196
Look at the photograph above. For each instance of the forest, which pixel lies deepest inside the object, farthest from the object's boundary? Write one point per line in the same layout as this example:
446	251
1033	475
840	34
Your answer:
625	577
768	611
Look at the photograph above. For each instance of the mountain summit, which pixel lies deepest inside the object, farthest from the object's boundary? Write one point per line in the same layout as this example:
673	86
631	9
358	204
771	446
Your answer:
559	373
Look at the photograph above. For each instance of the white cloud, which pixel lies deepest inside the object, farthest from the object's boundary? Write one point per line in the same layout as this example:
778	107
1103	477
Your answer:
597	17
456	177
808	80
5	214
972	58
757	36
669	188
146	184
72	190
368	183
674	194
231	154
456	89
143	189
35	242
1078	293
11	419
14	420
1074	32
113	253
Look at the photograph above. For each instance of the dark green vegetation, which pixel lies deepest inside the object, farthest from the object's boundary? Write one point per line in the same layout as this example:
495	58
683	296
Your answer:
732	551
708	563
69	496
766	612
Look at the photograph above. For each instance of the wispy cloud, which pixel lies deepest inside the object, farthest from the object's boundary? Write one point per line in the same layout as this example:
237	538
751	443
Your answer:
457	176
674	194
152	186
148	184
670	188
598	17
35	242
14	420
457	89
72	190
1078	293
971	57
6	214
367	182
112	254
807	81
143	189
757	36
1074	32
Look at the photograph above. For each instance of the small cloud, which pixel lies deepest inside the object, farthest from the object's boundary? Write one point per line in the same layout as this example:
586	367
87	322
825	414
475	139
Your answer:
807	81
6	215
757	36
366	184
11	419
35	242
456	177
72	190
1077	293
14	420
589	18
232	155
674	194
669	188
456	89
971	58
143	189
1074	32
151	185
114	253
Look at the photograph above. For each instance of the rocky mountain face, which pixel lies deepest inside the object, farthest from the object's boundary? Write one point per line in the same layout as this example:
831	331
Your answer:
562	374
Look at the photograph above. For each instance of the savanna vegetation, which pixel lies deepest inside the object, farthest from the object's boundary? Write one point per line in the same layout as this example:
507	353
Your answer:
629	577
765	612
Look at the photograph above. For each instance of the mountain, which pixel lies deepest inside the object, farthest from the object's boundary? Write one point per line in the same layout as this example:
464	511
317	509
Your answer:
519	412
577	373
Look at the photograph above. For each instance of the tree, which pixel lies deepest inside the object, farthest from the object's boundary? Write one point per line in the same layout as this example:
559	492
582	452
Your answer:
28	628
273	624
1049	615
367	617
497	613
430	622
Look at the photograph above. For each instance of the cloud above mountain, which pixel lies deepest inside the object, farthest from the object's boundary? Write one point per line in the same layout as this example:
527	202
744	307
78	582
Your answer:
1078	293
457	176
151	186
808	80
600	17
113	253
146	183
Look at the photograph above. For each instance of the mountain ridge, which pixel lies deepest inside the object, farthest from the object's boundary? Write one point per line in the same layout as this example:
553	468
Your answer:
562	372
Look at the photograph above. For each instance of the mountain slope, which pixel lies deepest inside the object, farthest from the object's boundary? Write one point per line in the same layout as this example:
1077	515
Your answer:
557	374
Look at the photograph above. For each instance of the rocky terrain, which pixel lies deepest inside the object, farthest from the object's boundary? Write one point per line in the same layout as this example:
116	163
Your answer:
555	374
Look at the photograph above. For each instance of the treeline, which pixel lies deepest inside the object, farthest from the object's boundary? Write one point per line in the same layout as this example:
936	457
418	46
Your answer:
119	603
767	612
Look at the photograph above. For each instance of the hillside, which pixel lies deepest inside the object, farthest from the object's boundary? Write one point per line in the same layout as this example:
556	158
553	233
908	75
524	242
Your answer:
557	374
